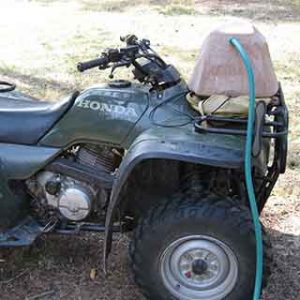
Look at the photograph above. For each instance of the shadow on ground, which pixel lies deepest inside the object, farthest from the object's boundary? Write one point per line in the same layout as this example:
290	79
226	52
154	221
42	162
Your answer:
60	267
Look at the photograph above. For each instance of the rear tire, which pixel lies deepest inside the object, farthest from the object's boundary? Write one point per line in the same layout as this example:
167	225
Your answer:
187	249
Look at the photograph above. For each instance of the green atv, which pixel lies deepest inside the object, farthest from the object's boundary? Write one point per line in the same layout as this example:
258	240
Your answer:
134	156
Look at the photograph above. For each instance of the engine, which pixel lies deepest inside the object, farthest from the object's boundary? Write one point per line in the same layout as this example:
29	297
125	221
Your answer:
75	186
72	198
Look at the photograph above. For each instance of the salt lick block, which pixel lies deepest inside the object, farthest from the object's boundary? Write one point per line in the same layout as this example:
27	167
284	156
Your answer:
219	68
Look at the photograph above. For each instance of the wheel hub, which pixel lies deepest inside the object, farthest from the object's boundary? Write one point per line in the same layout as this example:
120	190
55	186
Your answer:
199	267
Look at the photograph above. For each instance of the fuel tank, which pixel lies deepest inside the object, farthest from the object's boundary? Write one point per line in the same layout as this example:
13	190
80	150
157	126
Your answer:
103	114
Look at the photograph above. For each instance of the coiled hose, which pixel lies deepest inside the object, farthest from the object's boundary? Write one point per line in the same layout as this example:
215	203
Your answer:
248	167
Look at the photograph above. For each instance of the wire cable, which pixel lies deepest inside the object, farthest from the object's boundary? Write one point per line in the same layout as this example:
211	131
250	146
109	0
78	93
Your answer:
165	102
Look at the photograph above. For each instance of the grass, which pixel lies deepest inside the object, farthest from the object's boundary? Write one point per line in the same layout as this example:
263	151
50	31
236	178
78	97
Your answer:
270	11
289	70
289	67
167	7
41	42
296	3
178	8
108	6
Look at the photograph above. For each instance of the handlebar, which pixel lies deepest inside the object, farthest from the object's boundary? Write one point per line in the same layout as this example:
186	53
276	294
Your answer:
149	67
98	62
118	56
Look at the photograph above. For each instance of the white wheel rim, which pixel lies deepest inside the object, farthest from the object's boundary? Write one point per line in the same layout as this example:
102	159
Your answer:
199	267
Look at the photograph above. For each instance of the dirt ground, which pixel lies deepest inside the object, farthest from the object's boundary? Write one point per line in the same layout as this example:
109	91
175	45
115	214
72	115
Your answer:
40	43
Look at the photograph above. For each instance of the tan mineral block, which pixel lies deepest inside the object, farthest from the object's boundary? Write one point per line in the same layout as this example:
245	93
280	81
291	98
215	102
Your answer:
219	68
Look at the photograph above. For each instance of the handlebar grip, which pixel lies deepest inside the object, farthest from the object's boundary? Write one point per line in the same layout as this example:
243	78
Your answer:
83	66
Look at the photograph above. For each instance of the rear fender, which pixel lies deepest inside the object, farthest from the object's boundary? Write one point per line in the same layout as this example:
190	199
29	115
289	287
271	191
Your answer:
181	144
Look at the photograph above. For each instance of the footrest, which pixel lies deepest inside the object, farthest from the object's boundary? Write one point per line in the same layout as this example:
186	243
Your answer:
23	234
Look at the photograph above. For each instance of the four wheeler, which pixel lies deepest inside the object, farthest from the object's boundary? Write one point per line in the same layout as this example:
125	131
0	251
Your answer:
134	156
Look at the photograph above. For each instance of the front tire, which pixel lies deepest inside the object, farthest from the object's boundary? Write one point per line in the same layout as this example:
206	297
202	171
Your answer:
198	250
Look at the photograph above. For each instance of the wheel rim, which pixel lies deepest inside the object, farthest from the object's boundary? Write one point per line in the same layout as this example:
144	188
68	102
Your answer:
199	267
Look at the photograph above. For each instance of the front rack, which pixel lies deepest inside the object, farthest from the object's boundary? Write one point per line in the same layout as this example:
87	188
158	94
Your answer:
271	122
264	127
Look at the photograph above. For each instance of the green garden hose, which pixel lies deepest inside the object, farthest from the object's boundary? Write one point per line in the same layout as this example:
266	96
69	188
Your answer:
248	167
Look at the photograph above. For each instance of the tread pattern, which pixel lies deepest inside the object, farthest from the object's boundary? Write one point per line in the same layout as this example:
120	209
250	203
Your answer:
188	206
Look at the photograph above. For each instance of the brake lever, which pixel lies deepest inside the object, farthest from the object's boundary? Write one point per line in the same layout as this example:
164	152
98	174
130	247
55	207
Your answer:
118	65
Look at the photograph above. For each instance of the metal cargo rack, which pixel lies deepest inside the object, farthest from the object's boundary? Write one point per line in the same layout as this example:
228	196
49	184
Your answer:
271	122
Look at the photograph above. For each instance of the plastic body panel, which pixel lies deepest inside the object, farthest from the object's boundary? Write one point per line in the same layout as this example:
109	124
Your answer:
21	161
182	144
100	114
117	116
18	162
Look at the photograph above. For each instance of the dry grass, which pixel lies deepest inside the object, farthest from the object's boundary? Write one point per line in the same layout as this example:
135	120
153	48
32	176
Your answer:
40	43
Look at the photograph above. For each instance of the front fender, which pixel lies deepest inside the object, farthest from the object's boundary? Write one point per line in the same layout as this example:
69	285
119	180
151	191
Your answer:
181	144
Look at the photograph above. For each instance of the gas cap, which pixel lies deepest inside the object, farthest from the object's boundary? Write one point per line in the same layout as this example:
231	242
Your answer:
121	83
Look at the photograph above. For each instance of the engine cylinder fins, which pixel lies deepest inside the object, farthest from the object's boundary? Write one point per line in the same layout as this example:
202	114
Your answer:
98	157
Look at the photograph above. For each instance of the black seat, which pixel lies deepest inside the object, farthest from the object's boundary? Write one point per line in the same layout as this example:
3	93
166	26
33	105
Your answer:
24	120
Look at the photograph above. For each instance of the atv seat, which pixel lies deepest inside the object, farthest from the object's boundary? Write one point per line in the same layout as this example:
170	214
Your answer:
25	120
